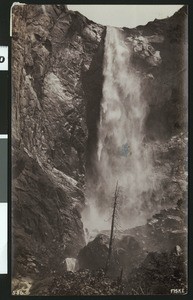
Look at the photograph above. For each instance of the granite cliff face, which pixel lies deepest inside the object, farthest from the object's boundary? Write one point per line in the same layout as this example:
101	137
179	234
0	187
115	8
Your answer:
57	63
52	48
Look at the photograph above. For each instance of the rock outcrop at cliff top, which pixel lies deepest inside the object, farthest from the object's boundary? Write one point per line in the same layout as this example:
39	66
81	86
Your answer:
57	79
51	49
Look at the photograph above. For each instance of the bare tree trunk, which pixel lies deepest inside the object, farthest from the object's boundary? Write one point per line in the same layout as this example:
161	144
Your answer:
112	228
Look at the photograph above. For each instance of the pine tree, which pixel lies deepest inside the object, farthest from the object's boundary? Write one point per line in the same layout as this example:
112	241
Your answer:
116	195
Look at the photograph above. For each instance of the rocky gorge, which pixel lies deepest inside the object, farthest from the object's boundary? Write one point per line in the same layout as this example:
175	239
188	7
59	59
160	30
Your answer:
57	87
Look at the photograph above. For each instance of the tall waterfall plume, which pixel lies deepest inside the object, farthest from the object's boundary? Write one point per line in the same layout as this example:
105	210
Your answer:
122	155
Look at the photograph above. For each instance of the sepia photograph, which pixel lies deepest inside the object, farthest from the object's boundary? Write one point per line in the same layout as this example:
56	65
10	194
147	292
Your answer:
99	139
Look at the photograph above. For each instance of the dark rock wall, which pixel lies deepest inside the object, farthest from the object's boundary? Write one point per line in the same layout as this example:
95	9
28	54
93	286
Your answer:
167	121
168	93
93	85
52	48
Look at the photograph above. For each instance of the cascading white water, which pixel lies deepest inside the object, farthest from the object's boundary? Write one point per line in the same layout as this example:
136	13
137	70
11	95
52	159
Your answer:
122	154
71	264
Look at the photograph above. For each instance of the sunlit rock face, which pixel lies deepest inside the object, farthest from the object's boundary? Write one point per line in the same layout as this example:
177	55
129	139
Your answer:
144	50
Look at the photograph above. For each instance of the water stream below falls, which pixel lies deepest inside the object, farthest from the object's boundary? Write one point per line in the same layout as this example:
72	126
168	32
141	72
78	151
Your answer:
122	154
71	264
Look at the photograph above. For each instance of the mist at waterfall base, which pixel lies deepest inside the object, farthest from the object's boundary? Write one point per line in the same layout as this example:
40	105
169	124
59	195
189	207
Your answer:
122	155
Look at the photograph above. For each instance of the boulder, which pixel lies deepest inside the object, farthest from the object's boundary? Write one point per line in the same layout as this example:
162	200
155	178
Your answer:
94	255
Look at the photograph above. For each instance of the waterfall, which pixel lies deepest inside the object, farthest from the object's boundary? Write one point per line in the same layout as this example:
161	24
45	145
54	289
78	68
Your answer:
71	264
122	153
86	235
